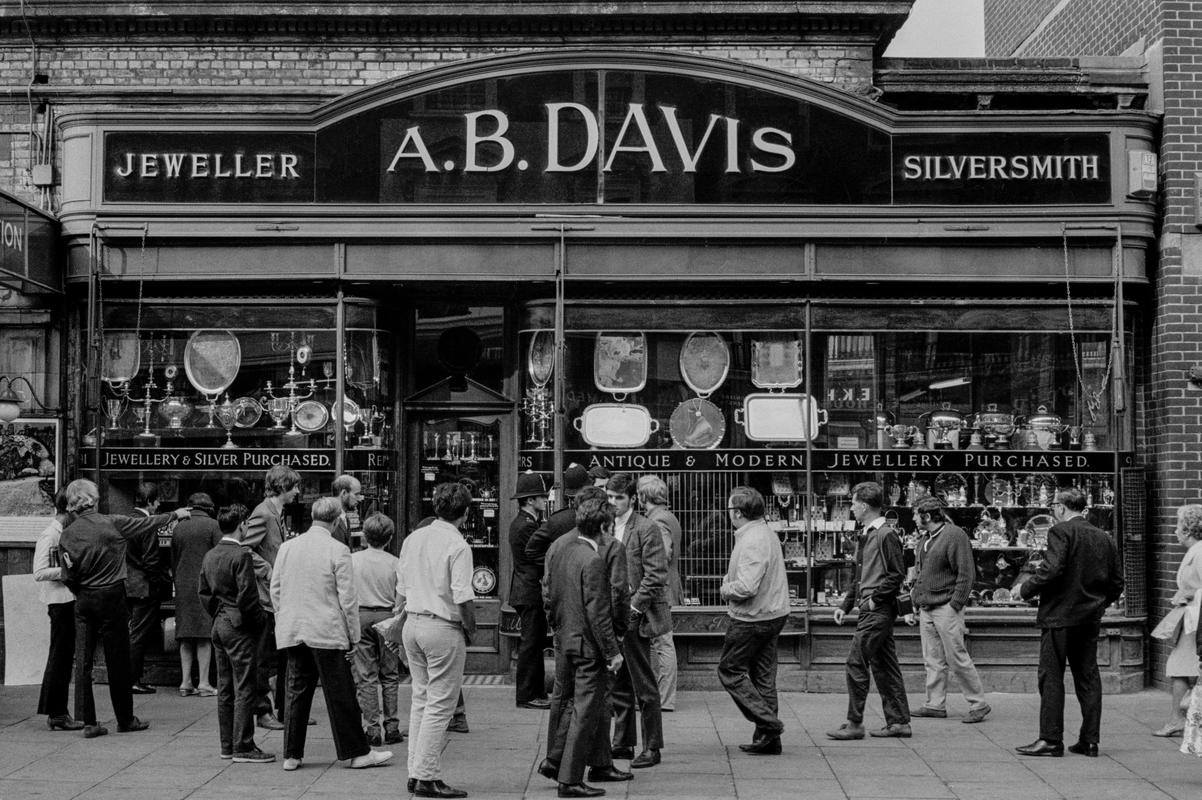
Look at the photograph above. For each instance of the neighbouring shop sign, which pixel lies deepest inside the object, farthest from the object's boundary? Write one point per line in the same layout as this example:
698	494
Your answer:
190	459
28	249
610	137
785	460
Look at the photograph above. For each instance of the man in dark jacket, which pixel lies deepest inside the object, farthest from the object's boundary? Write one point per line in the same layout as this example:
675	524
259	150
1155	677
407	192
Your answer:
229	592
1078	578
578	600
525	595
575	478
92	549
147	582
880	569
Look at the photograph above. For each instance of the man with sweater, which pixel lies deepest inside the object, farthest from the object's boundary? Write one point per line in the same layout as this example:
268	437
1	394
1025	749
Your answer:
878	579
940	593
756	592
1078	578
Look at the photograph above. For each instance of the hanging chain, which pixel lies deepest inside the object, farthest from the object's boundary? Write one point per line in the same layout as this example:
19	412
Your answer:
1093	398
141	282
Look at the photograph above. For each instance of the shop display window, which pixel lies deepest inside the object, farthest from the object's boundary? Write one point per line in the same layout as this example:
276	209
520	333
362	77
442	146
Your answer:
991	409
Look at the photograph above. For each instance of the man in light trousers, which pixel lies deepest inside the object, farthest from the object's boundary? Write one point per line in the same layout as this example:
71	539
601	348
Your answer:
434	588
653	500
940	593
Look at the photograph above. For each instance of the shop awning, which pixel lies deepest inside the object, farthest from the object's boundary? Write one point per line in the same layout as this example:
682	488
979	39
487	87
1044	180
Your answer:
29	261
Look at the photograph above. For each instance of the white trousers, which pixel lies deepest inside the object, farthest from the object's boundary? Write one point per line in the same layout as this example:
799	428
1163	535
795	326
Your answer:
943	651
436	653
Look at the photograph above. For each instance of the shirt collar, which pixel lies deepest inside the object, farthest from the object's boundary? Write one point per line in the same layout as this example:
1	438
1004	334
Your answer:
230	539
746	526
625	518
876	523
589	542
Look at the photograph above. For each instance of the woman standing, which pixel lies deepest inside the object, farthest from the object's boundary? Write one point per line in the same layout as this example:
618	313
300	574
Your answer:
1182	667
193	625
60	604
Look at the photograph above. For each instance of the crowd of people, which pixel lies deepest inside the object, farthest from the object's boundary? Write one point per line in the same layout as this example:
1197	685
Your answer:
282	614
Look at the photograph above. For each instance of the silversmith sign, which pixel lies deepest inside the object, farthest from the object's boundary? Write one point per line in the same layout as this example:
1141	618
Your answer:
784	460
575	136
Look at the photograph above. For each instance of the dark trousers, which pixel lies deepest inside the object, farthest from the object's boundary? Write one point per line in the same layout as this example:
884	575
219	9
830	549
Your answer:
268	662
1078	646
143	622
637	691
306	666
235	650
598	754
56	680
531	675
747	671
872	651
581	718
100	615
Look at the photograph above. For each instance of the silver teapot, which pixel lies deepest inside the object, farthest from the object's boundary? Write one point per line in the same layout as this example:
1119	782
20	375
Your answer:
943	427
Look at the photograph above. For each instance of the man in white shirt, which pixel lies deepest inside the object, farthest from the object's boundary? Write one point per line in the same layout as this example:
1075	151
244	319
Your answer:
434	588
317	624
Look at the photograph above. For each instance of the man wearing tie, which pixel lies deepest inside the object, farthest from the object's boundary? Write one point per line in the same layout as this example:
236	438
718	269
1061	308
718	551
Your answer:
880	569
1077	579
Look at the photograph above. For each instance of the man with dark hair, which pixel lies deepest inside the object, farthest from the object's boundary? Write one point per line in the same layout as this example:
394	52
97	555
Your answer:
265	532
578	601
524	593
92	549
599	475
880	569
1079	577
147	581
227	588
599	756
377	669
757	595
635	689
317	624
653	500
939	595
349	492
434	589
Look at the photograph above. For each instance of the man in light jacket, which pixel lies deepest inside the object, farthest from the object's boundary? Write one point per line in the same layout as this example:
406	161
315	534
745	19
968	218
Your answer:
756	591
317	624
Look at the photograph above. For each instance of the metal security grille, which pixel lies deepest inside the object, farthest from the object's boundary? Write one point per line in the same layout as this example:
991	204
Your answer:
1134	490
698	499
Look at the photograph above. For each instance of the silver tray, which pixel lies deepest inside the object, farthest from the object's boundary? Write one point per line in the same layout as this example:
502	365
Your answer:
247	412
780	417
311	416
697	424
212	360
620	362
704	362
616	425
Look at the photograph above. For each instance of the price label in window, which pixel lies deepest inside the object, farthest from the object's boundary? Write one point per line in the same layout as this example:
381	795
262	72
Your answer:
489	513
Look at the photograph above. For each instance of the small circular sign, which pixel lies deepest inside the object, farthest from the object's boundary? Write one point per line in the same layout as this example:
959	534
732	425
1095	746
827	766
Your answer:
484	580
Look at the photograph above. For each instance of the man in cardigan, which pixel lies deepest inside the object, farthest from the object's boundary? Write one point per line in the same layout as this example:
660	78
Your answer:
940	593
879	573
1077	579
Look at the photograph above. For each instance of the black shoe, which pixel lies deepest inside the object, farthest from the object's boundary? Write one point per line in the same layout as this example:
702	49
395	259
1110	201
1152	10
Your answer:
134	724
622	752
63	723
764	747
579	790
549	770
141	688
92	731
538	703
393	736
373	737
1084	749
1042	747
436	789
927	711
458	726
610	774
647	758
411	785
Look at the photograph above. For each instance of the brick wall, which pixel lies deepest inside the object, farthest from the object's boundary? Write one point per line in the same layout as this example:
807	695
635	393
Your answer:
1079	28
1009	22
336	68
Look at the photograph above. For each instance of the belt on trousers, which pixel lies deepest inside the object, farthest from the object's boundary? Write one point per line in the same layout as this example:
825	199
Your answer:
425	615
375	608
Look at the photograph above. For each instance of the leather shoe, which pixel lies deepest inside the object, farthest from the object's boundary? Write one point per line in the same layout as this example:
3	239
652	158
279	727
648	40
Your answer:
1042	747
269	722
372	758
647	758
436	789
1084	749
549	770
141	688
977	714
538	703
458	726
579	790
846	732
894	731
610	774
622	752
63	723
764	747
92	731
132	725
410	785
925	711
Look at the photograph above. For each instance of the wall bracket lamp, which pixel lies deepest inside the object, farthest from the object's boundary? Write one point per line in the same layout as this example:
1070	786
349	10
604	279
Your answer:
10	401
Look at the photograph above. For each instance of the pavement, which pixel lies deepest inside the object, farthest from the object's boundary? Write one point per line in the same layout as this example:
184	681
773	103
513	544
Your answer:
178	756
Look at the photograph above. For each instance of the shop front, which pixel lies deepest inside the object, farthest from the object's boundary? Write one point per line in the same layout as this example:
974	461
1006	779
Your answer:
660	264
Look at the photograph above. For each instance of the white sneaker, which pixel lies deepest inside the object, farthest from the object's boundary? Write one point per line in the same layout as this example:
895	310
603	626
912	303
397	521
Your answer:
291	764
373	758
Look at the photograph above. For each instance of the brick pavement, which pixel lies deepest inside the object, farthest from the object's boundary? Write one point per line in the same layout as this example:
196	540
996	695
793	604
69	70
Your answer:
177	757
